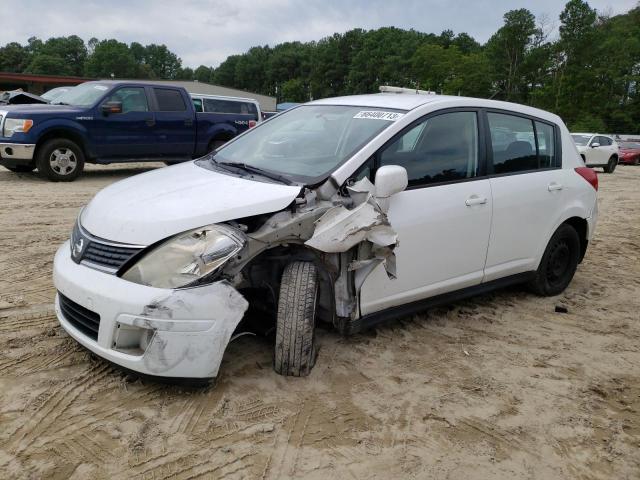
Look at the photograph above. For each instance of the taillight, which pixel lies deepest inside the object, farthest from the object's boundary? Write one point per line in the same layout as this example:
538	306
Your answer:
590	175
252	123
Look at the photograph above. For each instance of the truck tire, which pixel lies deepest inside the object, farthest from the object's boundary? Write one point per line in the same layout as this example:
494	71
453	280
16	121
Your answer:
559	262
22	168
295	352
60	160
213	144
611	165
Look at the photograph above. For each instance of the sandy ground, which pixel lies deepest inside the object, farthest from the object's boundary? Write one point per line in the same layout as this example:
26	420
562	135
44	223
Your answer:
497	387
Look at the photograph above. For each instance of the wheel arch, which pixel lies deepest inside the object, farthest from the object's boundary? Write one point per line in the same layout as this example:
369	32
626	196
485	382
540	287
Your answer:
582	227
65	133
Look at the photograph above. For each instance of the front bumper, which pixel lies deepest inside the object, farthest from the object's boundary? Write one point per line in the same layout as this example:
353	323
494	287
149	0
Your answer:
12	154
186	331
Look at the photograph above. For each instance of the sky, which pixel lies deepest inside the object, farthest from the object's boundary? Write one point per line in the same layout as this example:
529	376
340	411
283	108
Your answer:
207	31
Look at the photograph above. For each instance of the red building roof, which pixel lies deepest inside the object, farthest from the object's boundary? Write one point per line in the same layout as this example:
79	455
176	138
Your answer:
48	79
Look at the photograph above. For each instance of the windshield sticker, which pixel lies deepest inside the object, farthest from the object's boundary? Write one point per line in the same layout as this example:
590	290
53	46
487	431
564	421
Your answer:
100	87
377	115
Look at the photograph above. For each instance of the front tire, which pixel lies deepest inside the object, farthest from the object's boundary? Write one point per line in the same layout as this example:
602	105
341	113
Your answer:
611	165
60	160
295	352
559	262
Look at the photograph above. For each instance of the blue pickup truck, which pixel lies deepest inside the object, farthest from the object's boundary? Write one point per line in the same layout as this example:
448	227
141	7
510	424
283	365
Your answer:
114	121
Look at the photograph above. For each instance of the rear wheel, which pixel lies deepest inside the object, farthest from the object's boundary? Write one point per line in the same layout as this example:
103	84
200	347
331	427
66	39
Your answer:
22	168
559	262
295	352
215	144
611	165
60	160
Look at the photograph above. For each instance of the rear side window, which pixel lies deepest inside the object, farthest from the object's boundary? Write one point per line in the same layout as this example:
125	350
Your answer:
169	100
439	149
215	105
517	146
546	144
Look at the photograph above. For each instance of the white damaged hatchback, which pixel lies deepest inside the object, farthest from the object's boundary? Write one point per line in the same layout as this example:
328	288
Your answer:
345	211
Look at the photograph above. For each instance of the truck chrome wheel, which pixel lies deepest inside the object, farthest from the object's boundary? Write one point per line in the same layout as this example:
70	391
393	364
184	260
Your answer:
63	161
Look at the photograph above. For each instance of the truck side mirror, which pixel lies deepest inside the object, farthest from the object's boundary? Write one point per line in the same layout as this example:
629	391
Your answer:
390	179
109	108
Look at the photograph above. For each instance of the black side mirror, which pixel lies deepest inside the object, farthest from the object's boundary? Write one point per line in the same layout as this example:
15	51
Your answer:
109	108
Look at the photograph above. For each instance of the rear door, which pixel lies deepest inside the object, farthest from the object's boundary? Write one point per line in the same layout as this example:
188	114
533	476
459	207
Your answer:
175	127
528	189
443	217
127	134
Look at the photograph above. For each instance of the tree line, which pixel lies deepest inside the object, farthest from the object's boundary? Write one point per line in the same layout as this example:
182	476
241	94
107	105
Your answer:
588	73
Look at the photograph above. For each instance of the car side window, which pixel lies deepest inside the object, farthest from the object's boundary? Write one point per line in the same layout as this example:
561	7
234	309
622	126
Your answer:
442	148
197	104
513	143
606	141
216	105
169	100
546	145
133	99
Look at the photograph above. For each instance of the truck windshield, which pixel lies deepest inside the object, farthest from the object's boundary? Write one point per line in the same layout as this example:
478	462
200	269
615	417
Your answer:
308	142
84	95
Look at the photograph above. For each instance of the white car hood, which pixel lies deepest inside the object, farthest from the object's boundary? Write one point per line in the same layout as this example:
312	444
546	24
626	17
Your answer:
155	205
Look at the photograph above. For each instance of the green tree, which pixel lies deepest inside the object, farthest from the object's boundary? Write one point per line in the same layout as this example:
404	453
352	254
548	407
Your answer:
203	74
507	50
164	63
111	57
13	57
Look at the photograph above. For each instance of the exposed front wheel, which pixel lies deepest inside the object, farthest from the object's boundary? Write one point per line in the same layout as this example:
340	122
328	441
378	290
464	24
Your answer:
295	352
60	160
611	165
559	262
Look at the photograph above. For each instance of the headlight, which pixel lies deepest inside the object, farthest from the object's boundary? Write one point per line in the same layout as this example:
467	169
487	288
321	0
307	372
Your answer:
187	257
16	125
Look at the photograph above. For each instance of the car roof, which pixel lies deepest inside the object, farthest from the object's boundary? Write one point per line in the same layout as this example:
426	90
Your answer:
409	101
403	101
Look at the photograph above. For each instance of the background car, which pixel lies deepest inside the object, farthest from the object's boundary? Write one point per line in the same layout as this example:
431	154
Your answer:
54	93
597	150
629	153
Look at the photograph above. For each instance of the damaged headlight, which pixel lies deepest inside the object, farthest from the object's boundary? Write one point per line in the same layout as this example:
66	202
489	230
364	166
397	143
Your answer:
187	257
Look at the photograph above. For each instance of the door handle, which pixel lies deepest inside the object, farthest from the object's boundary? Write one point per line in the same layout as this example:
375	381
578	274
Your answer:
475	200
553	186
150	122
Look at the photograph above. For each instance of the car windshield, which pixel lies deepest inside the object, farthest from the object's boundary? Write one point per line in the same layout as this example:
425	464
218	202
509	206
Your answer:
581	140
307	143
55	93
630	145
84	95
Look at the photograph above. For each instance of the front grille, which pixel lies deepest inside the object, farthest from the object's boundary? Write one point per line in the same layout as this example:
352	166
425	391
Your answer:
109	256
81	318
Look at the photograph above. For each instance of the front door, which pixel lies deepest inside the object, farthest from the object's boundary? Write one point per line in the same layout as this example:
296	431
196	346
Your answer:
129	134
442	219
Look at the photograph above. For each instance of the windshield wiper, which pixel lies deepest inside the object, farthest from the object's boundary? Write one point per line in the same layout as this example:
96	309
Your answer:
60	103
259	171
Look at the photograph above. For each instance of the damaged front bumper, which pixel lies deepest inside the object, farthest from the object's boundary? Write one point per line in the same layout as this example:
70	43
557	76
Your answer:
180	333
